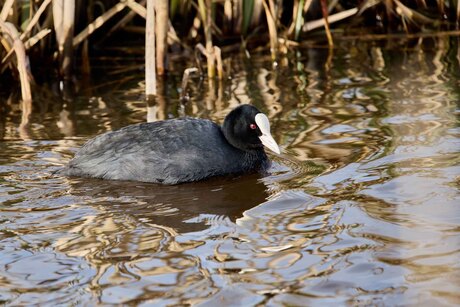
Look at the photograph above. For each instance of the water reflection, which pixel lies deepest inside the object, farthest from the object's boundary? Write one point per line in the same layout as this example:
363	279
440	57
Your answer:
184	208
361	209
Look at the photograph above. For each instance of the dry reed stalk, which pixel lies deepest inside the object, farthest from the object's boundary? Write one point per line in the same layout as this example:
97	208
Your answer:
311	25
457	16
32	41
128	18
218	57
326	22
271	30
35	19
205	13
98	22
36	38
256	12
19	49
185	78
162	19
299	20
29	43
389	10
142	12
237	8
199	50
228	15
173	38
156	109
6	9
412	15
295	13
150	75
64	17
136	7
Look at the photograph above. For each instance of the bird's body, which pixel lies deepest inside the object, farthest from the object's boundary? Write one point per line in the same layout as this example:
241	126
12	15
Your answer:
169	152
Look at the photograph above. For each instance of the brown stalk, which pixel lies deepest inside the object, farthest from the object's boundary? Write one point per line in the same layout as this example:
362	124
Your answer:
271	30
19	49
162	19
97	23
29	43
30	26
218	57
413	15
326	22
150	75
228	10
64	17
136	7
6	9
35	19
128	18
205	13
256	13
185	78
458	13
314	24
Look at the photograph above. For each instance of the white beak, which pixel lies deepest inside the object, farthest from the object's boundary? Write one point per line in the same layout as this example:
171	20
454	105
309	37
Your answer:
266	137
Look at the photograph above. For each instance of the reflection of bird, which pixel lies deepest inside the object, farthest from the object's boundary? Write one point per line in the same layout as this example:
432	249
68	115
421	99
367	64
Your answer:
185	208
178	150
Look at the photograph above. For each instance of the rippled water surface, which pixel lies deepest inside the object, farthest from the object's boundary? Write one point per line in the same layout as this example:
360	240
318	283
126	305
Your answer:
362	207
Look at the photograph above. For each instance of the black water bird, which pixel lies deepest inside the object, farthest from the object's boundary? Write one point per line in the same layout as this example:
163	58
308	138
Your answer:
178	150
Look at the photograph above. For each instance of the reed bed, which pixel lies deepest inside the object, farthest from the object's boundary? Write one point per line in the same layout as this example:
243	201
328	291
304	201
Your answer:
54	31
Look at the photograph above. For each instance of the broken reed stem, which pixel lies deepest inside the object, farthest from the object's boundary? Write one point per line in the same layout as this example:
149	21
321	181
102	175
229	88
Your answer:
19	49
150	75
162	18
199	50
185	78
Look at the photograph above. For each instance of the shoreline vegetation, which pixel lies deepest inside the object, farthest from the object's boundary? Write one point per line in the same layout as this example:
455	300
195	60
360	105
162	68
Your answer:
56	32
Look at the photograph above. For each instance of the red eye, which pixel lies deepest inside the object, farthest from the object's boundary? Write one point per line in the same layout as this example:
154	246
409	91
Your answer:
252	126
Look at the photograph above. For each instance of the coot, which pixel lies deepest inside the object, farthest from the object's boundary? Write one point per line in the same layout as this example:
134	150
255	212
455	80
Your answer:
178	150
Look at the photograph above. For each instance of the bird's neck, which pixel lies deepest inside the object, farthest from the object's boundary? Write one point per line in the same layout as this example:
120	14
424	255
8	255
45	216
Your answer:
256	159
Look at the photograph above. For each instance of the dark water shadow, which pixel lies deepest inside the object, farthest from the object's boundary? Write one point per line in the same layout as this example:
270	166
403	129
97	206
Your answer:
185	207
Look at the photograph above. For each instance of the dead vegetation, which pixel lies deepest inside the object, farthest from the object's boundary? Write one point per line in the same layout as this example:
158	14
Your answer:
56	30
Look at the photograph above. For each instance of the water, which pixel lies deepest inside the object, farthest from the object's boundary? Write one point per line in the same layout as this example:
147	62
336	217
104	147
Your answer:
361	208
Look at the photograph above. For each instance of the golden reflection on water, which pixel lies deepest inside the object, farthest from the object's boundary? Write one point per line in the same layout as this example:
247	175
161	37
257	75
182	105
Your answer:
360	209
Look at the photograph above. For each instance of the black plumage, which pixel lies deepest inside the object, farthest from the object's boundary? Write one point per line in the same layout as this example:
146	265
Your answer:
174	151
